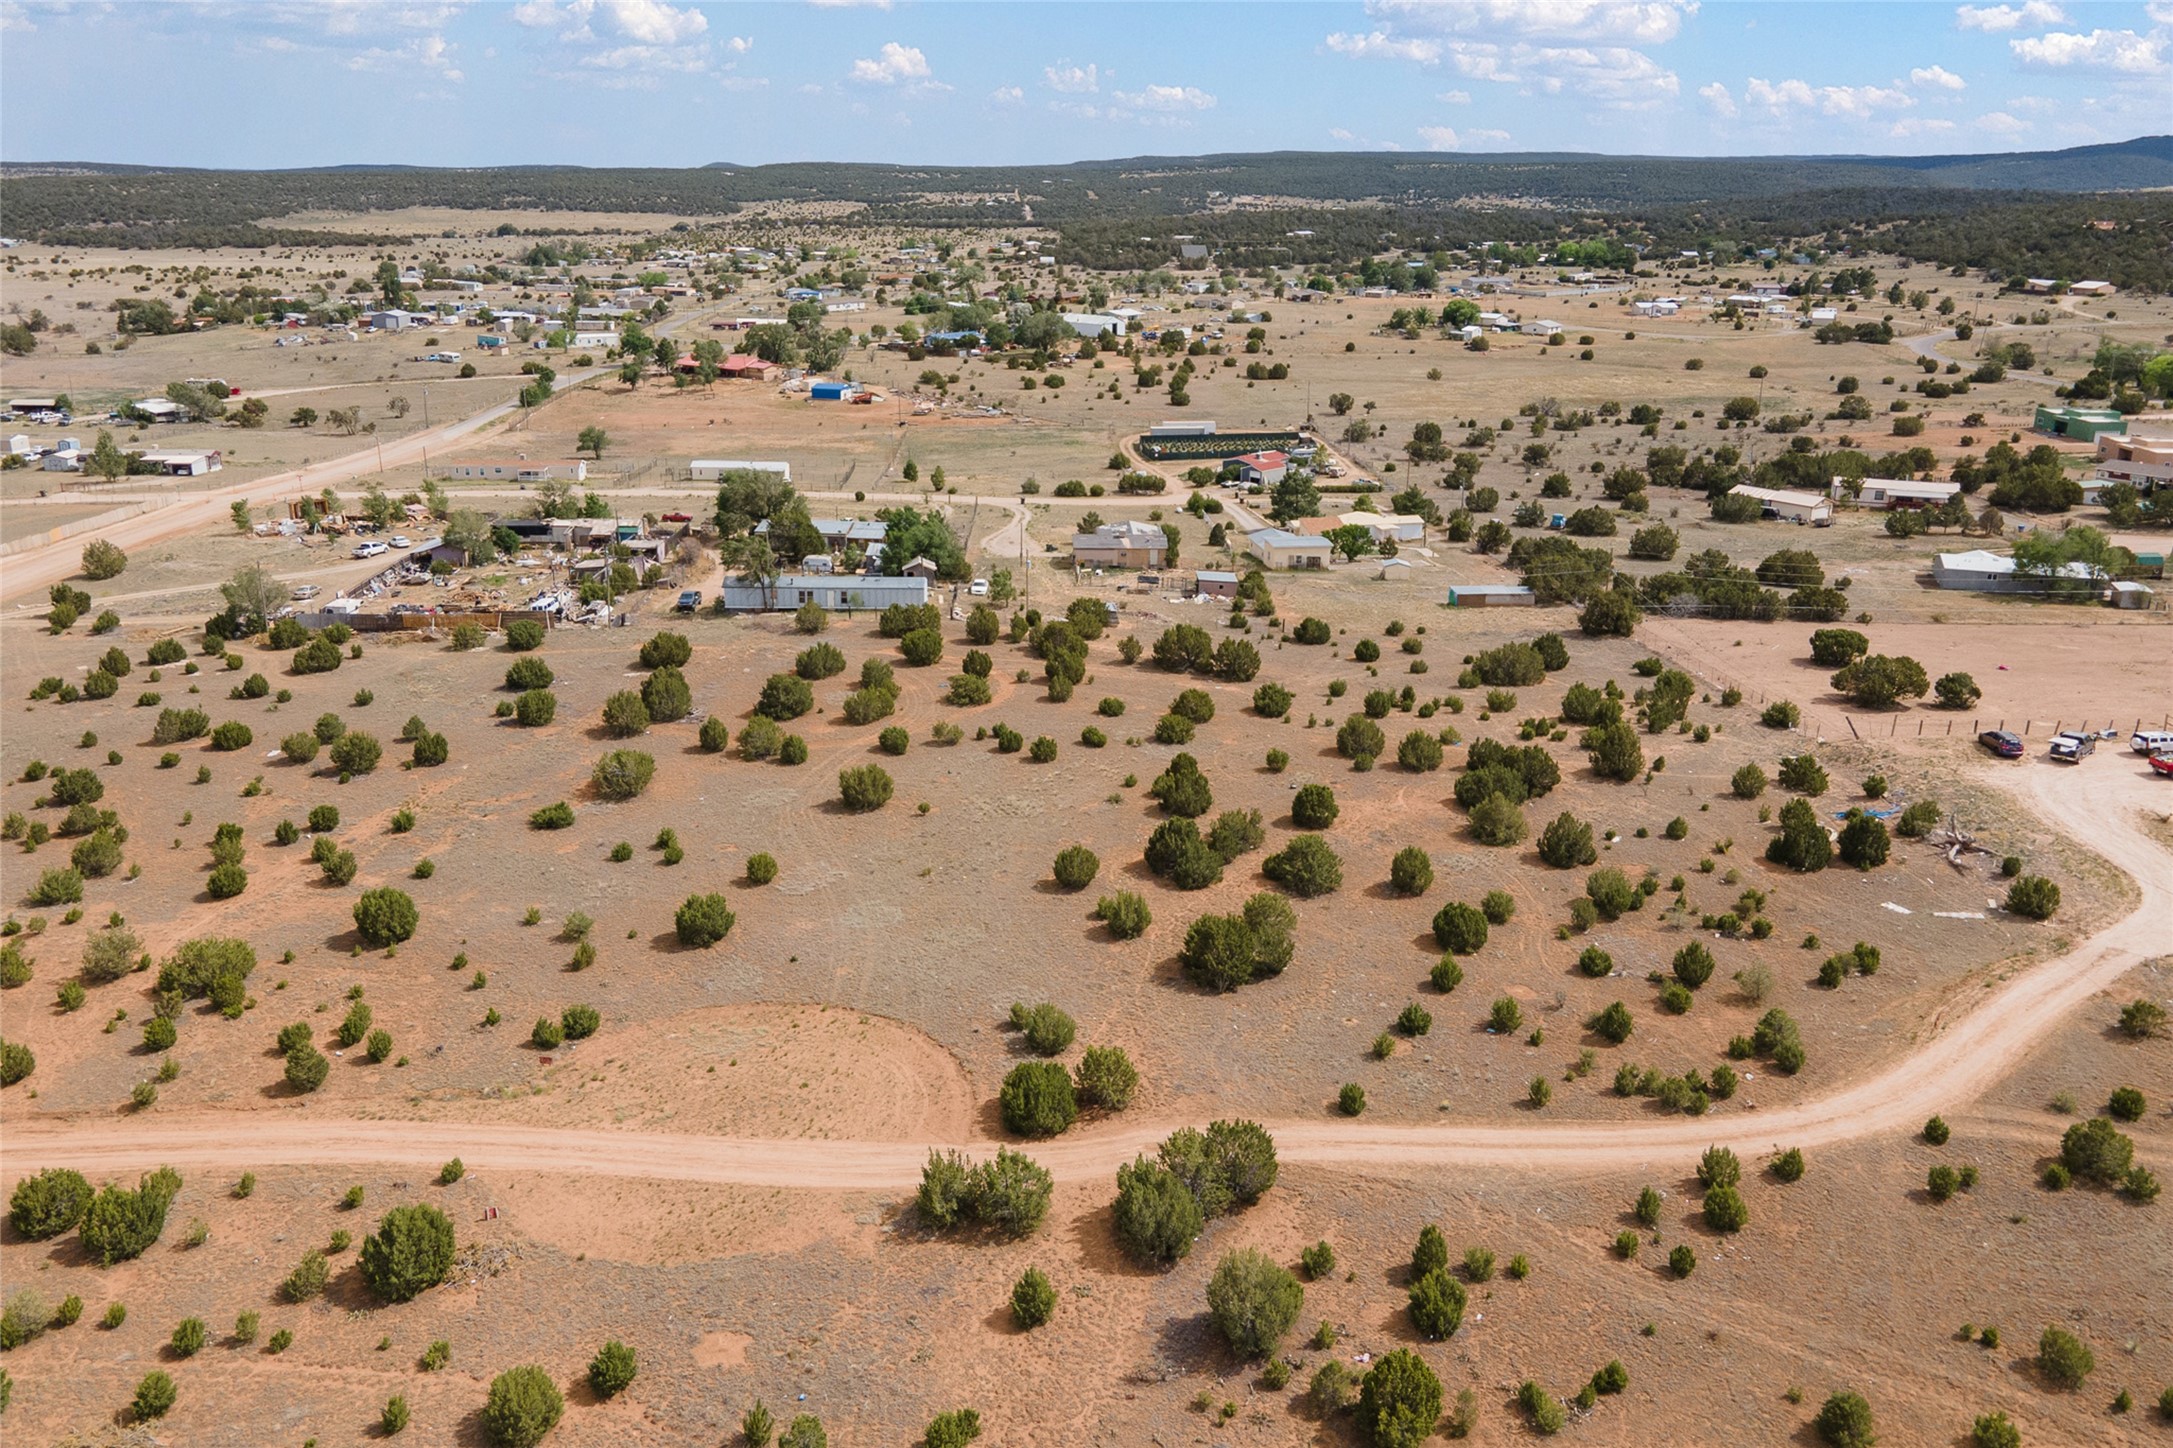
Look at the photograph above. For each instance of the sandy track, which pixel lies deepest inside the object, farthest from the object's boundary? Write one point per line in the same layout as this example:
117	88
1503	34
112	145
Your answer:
38	569
1954	1066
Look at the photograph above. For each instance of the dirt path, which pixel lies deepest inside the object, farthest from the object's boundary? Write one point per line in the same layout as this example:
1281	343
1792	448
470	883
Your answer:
1959	1062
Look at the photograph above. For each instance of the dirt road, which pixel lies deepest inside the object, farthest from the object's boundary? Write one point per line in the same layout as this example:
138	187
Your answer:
39	569
1958	1062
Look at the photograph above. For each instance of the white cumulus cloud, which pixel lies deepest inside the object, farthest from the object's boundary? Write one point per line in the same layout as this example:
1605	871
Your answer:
1437	138
740	44
430	54
1380	44
1994	19
1610	76
2121	51
1647	22
2000	123
1071	79
639	22
1938	76
1716	96
892	64
1454	97
1861	102
1007	95
1167	98
1487	137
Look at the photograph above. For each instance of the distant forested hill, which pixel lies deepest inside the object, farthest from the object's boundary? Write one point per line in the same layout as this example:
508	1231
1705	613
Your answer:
1937	201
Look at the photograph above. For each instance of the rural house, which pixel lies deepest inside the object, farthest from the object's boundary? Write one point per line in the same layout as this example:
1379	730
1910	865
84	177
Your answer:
1276	548
1893	493
1121	545
1787	505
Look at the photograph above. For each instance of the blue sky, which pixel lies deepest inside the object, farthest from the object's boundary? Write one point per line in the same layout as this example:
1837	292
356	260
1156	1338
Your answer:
271	83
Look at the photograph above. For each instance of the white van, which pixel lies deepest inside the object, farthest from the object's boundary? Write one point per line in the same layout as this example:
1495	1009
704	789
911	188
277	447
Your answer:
2151	741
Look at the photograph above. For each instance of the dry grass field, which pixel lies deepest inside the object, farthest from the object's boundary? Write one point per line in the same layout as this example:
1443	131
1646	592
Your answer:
857	1011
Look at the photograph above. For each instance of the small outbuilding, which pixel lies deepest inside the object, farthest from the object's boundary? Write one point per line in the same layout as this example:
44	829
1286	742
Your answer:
1490	595
1217	584
2083	424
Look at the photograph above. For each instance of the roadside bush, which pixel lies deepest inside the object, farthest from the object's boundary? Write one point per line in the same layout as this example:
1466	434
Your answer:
1037	1099
530	674
2033	897
1156	1217
306	1068
1106	1078
121	1223
411	1251
49	1203
1724	1209
523	634
1749	782
231	736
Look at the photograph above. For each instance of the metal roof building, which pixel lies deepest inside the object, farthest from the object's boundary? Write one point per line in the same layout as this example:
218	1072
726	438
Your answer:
839	591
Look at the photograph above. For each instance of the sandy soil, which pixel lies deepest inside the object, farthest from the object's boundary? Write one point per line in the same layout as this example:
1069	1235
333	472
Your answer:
757	1239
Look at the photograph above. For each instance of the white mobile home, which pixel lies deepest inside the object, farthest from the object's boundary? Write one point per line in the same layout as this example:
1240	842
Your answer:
708	470
832	591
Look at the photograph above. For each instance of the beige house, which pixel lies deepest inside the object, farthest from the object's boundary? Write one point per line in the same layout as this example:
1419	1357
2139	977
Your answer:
1276	548
1121	545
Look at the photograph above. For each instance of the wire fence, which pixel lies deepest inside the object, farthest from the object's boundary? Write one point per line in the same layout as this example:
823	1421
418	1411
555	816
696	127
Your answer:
1945	725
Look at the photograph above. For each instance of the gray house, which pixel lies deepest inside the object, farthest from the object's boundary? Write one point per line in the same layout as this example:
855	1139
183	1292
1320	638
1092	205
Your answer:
834	591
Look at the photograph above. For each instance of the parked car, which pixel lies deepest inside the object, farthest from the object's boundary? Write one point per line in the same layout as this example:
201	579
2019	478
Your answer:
2002	743
303	593
401	540
978	588
369	549
2151	741
690	600
2073	748
2162	764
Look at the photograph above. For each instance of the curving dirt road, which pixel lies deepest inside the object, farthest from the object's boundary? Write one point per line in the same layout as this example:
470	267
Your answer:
1957	1063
